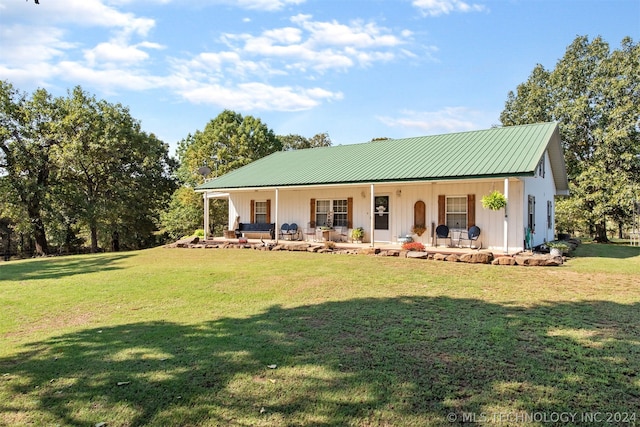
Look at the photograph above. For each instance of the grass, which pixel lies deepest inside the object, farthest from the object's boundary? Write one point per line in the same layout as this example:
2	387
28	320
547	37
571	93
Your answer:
187	337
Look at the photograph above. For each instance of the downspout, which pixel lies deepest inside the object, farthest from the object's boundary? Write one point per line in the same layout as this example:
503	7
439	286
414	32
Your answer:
506	217
372	223
205	195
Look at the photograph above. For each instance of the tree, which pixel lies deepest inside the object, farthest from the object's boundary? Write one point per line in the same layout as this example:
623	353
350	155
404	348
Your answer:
298	142
114	176
227	142
594	94
184	214
28	132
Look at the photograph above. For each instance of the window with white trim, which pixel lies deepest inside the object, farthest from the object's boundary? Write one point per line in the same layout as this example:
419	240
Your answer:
340	212
260	212
549	214
327	208
456	212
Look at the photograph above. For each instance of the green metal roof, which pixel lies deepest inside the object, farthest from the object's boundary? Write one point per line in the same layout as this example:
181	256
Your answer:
498	152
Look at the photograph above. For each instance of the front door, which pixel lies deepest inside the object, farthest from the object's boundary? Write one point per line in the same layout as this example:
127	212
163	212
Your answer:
381	219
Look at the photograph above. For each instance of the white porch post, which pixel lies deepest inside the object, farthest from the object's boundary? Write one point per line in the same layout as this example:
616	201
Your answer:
506	217
276	216
205	195
372	223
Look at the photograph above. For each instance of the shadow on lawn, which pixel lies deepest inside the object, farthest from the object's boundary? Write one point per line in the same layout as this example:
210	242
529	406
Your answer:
393	361
56	268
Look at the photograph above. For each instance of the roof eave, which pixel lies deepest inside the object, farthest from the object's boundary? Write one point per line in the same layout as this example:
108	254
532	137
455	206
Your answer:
368	182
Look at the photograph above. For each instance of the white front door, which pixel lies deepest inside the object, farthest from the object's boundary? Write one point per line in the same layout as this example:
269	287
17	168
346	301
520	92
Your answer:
382	218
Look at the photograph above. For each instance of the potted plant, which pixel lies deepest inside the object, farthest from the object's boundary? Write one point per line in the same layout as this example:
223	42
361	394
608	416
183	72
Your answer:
357	234
557	248
494	201
418	229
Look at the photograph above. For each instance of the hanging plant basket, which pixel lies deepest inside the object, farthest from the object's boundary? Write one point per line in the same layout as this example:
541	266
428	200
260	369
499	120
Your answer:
494	201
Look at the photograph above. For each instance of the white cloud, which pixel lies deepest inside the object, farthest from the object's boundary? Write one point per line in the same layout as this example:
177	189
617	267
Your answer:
83	13
320	46
268	5
446	120
357	34
118	54
109	80
25	44
445	7
246	74
259	96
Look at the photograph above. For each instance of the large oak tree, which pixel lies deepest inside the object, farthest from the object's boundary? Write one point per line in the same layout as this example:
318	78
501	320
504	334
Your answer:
594	94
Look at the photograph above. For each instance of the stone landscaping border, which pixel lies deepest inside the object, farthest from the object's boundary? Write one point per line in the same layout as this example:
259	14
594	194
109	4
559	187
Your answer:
476	257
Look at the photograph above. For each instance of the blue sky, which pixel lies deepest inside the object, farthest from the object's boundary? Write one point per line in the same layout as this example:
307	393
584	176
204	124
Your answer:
354	69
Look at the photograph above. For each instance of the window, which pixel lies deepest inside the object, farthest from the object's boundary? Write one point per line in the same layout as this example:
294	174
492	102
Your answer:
323	207
261	212
456	213
331	212
541	168
531	213
340	212
549	214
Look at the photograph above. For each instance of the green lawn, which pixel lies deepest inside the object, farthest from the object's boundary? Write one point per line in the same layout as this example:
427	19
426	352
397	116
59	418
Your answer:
189	337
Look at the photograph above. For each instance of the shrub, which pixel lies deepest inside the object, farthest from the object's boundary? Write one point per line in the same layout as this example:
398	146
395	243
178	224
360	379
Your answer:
357	233
413	246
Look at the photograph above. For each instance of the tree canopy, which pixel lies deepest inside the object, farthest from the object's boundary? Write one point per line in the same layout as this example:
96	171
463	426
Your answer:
228	141
75	162
298	142
594	94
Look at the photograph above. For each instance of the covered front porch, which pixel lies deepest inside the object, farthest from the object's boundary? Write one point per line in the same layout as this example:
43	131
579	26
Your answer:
386	212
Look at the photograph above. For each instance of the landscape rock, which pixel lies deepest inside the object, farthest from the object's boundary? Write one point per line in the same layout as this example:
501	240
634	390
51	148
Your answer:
452	258
185	243
417	255
504	260
538	260
477	257
369	251
439	257
298	247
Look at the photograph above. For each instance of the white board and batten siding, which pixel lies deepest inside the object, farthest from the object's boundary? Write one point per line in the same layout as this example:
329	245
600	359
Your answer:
294	206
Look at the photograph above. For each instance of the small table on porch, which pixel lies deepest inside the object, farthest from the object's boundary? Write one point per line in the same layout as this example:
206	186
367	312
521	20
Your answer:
325	234
457	235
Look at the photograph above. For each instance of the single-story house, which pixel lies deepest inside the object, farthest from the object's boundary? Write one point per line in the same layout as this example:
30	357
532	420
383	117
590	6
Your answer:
388	187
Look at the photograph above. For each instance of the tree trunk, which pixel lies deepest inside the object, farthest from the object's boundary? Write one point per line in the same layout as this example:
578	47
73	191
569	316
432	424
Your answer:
620	225
39	234
115	241
7	248
601	232
94	239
